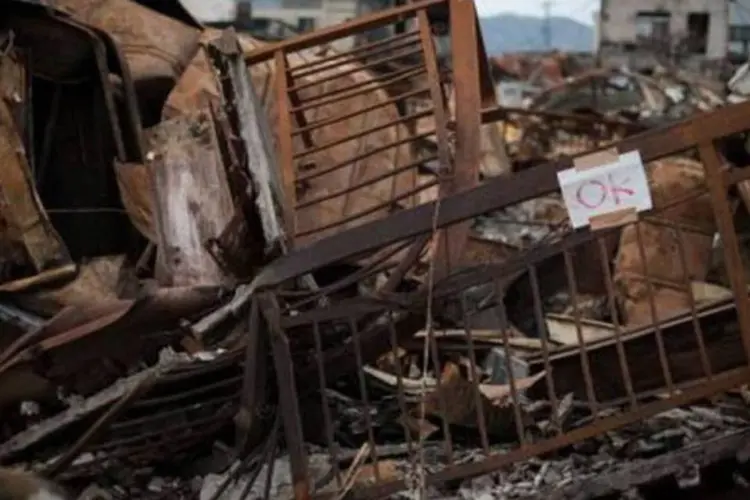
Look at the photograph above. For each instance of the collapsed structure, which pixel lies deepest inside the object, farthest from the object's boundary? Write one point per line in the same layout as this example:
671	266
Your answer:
291	271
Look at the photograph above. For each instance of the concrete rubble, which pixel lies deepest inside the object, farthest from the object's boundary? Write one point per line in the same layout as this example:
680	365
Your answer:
227	271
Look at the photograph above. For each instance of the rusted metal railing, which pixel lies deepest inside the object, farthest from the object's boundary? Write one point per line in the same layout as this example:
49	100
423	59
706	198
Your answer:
344	133
665	359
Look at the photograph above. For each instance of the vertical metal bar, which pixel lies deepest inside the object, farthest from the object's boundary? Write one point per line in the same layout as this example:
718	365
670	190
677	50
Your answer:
399	380
615	317
249	399
468	103
270	467
441	395
474	377
332	447
442	252
436	92
698	330
365	399
285	146
400	132
403	267
582	348
282	358
542	332
299	115
663	359
509	366
354	172
725	224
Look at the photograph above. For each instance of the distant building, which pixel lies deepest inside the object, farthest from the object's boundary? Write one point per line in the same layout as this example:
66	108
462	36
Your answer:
282	18
641	32
739	30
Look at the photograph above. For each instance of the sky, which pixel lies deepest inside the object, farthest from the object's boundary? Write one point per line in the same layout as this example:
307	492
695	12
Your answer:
580	10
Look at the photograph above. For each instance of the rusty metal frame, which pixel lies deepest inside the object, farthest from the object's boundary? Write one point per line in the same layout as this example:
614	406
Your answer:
294	125
496	194
125	131
371	336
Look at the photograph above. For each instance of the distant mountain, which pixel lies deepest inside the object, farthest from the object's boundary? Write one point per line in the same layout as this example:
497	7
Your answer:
514	33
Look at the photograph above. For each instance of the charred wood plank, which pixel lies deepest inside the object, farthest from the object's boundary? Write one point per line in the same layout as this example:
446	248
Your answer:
192	199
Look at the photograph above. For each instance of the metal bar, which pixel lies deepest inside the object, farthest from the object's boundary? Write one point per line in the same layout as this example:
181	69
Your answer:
364	395
290	412
722	382
333	312
515	396
299	115
155	448
359	67
399	380
369	211
390	173
250	383
544	337
344	116
468	103
124	425
285	145
136	436
442	404
405	265
443	141
570	277
270	468
337	166
354	171
481	421
436	91
493	195
380	264
327	420
364	133
356	90
725	224
357	50
174	398
622	358
99	425
497	113
697	328
332	33
656	320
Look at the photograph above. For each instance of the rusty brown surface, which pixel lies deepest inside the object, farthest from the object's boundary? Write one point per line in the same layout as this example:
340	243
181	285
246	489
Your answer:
157	48
425	247
31	244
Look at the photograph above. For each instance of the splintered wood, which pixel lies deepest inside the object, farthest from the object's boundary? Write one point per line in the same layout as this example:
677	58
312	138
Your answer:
193	200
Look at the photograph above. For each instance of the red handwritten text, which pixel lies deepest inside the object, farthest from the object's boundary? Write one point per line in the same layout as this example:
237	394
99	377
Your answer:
594	193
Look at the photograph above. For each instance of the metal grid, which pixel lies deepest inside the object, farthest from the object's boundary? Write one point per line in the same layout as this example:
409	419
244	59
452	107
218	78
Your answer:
322	335
344	133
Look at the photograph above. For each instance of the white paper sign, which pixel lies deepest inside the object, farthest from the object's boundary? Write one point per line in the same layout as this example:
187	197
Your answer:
604	189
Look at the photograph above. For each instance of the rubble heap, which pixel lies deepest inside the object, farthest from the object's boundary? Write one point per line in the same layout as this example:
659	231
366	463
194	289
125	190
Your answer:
232	269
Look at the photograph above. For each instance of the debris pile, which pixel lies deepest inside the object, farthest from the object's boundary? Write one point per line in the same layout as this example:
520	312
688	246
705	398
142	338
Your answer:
233	269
